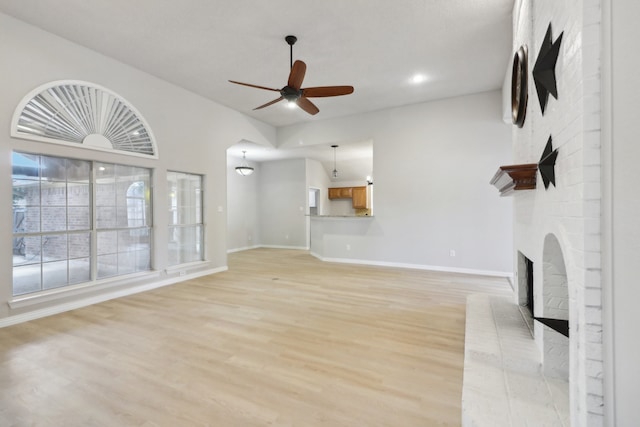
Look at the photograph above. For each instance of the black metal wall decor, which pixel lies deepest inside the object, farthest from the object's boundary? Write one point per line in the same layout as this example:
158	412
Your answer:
544	70
519	86
547	165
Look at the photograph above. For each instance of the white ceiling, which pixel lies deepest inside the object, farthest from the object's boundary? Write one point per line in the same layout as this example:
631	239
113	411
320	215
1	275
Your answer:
461	46
377	46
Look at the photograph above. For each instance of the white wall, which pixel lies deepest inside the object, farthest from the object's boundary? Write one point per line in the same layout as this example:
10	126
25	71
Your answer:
432	165
621	210
192	135
283	203
243	220
317	178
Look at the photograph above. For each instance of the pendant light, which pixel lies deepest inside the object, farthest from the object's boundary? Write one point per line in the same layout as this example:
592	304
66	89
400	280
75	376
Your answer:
244	169
335	171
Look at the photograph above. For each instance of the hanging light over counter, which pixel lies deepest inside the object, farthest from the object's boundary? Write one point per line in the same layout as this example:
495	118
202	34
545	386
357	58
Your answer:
244	169
335	170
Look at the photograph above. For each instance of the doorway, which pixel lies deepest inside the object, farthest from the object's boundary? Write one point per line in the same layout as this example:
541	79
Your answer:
314	201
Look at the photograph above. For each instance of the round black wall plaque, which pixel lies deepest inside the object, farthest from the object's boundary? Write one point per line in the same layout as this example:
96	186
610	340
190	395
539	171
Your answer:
519	90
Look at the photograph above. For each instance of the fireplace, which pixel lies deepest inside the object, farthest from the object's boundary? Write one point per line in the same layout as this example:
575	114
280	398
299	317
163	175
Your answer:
525	284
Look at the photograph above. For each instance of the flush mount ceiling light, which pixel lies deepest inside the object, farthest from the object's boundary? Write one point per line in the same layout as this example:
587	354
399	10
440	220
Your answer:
244	169
335	171
418	79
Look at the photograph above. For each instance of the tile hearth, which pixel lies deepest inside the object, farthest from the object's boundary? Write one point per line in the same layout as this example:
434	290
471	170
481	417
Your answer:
503	381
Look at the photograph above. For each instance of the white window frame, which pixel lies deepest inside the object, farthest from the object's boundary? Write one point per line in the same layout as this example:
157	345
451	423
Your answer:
93	230
175	222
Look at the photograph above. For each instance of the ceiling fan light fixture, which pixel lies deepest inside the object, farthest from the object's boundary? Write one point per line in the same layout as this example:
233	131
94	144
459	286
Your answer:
244	169
294	92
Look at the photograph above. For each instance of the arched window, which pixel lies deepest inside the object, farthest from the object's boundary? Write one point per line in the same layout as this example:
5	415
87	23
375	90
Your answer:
84	115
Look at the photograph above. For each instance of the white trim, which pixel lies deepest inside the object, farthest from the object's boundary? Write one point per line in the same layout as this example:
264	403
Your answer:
61	308
18	112
246	248
302	248
186	266
79	289
505	274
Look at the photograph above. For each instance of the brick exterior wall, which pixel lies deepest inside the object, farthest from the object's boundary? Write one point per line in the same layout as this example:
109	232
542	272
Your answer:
570	211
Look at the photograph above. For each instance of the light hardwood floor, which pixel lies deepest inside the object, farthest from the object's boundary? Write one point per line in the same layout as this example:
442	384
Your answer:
281	339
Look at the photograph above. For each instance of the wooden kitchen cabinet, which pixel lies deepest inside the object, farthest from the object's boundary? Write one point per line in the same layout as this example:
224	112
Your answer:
359	197
340	193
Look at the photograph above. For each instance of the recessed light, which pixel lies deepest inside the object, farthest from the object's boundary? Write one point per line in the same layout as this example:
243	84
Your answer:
418	78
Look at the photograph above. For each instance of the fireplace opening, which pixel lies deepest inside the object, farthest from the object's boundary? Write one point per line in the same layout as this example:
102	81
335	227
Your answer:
525	284
529	281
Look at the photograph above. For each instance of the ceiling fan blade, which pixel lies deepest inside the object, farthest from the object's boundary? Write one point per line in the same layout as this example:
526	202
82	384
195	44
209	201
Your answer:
318	92
297	74
269	103
307	105
256	86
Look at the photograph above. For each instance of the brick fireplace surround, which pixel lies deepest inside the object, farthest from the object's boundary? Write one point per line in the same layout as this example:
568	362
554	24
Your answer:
559	229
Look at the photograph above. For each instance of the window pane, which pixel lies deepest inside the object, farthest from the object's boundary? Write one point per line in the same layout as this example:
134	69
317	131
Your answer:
106	193
78	171
54	218
191	248
126	262
54	274
105	217
54	248
30	222
107	242
26	279
79	245
185	209
78	194
79	218
25	165
79	270
143	260
54	193
107	265
105	172
53	169
132	240
27	250
186	246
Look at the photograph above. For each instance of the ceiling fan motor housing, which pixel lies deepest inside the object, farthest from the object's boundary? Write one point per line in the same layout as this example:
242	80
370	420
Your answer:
290	94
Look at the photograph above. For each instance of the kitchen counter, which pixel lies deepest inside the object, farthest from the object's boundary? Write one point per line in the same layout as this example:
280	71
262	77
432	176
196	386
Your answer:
335	237
340	216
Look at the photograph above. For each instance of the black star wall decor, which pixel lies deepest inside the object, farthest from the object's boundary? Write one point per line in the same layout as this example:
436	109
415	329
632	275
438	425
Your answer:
544	71
547	165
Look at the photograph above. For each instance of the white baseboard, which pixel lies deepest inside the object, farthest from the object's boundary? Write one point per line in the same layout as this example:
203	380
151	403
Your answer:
417	266
246	248
61	308
301	248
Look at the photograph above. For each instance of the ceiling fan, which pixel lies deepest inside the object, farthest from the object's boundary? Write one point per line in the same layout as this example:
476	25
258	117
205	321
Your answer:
293	92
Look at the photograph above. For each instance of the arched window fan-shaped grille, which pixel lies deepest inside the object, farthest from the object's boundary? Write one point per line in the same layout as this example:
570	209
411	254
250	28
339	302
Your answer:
82	113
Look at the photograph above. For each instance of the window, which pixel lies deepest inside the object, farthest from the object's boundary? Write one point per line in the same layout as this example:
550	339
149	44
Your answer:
123	208
85	115
185	218
71	221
